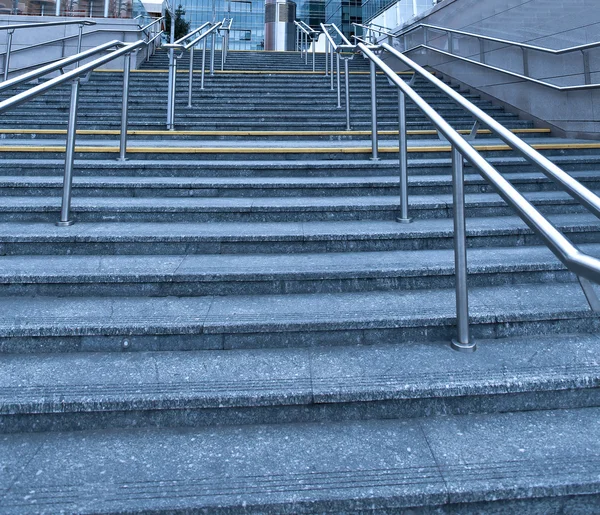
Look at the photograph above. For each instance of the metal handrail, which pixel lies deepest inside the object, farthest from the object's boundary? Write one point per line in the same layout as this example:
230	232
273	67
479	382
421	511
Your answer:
57	65
305	32
9	52
586	267
527	46
553	172
74	76
46	24
330	47
580	87
225	26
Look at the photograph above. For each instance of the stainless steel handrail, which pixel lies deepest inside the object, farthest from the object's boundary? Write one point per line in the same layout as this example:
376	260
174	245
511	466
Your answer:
57	65
580	87
46	24
553	172
225	26
9	52
547	50
305	32
11	30
74	76
525	48
586	267
332	47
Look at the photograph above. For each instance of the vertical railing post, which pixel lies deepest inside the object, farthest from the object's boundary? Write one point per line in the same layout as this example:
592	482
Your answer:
587	76
347	87
332	73
305	48
374	144
403	159
339	87
462	342
212	54
7	55
203	63
191	77
482	51
314	50
170	85
125	108
297	46
326	56
525	61
57	8
65	208
450	38
222	53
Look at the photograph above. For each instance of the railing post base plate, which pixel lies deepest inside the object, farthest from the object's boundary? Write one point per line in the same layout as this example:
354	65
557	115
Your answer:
404	220
64	224
463	347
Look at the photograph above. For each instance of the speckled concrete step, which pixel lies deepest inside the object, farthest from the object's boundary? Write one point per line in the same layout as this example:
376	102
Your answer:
65	392
531	462
274	168
214	274
273	209
273	187
110	238
51	324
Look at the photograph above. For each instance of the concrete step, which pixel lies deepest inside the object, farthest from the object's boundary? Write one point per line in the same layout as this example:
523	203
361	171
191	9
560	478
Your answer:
570	161
19	238
527	462
111	324
270	209
83	391
212	274
274	187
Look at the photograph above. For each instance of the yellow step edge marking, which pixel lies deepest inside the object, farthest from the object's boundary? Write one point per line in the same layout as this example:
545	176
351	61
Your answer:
244	72
91	132
298	150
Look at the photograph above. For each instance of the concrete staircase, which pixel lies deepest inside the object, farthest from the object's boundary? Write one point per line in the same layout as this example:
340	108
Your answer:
236	323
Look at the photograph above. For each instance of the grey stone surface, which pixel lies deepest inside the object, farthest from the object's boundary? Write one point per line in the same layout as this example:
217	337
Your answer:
308	467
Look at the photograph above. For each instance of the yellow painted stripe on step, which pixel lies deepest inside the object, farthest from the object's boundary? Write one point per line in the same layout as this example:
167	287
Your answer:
92	132
244	72
289	150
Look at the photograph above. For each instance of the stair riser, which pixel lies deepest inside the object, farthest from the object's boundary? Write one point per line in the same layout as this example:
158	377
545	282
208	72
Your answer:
162	247
296	410
370	333
324	191
271	215
258	286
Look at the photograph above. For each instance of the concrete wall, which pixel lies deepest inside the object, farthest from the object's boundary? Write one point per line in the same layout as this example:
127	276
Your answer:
111	28
554	24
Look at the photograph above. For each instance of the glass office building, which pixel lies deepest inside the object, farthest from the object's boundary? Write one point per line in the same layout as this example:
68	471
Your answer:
248	31
343	13
393	13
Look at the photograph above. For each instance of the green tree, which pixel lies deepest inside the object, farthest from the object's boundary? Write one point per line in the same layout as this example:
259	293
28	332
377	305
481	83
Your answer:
182	27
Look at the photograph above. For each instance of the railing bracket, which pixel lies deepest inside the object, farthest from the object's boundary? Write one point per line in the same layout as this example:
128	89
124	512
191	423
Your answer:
590	294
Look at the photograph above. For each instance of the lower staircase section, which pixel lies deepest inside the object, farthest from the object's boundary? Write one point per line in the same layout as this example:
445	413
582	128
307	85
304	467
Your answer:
236	323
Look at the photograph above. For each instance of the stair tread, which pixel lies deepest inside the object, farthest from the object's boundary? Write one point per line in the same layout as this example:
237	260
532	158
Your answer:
93	382
212	267
49	316
385	464
149	231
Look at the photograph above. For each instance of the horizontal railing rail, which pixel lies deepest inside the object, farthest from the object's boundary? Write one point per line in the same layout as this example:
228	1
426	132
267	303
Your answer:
584	266
304	35
150	35
341	52
196	36
74	76
525	48
580	87
46	24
